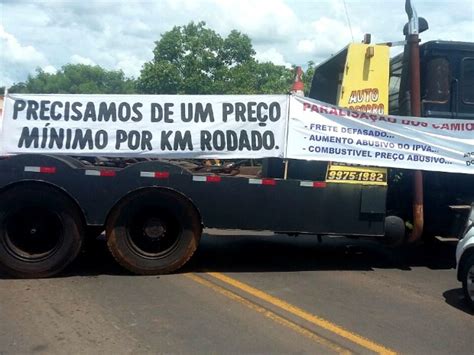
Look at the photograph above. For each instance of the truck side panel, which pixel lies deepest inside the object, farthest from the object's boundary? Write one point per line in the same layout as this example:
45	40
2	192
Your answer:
223	202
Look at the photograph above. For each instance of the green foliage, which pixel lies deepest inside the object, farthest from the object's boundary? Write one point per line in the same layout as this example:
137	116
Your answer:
191	59
194	59
308	77
77	79
253	77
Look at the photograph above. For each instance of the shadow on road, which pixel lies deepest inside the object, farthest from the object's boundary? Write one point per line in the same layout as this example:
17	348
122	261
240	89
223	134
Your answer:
234	253
455	298
304	253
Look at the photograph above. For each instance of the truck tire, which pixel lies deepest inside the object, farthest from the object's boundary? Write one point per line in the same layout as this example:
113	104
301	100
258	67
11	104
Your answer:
41	231
467	278
153	232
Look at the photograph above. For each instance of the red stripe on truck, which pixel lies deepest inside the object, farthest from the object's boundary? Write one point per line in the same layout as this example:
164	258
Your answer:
162	174
40	169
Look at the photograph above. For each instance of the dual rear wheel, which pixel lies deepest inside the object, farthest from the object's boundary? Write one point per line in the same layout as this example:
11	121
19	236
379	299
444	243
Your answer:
153	232
42	231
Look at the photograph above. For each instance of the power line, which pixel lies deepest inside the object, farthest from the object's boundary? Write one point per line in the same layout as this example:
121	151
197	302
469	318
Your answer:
348	19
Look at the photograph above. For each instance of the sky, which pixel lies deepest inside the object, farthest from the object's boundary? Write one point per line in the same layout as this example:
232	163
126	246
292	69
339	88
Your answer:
121	34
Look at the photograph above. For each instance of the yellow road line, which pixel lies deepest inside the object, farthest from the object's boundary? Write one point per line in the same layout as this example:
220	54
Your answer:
320	322
273	316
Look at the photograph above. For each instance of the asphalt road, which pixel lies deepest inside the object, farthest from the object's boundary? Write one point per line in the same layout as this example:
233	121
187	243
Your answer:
247	294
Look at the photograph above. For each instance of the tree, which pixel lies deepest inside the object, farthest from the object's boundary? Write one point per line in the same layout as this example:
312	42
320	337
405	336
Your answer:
77	79
194	59
308	77
253	77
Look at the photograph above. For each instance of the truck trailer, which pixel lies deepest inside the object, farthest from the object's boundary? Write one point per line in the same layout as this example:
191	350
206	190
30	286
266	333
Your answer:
153	211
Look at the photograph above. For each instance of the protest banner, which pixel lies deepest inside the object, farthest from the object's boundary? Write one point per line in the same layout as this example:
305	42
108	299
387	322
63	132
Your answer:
170	126
318	131
230	127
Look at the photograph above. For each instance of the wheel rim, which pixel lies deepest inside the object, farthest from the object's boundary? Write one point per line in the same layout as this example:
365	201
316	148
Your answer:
153	234
470	282
33	233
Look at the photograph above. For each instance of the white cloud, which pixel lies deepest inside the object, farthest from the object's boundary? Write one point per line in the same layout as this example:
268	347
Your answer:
78	59
272	55
130	65
265	21
14	51
327	36
17	60
121	34
49	69
306	46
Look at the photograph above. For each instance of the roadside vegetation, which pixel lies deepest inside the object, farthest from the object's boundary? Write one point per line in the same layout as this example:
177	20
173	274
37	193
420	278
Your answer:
190	59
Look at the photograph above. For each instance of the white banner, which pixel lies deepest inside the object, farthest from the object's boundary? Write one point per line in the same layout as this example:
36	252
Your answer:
233	126
171	126
319	131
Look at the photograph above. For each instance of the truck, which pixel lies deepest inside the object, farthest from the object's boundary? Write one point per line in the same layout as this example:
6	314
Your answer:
444	88
153	211
447	89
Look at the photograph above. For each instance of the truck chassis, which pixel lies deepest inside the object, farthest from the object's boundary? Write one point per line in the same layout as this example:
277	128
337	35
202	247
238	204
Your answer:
153	212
